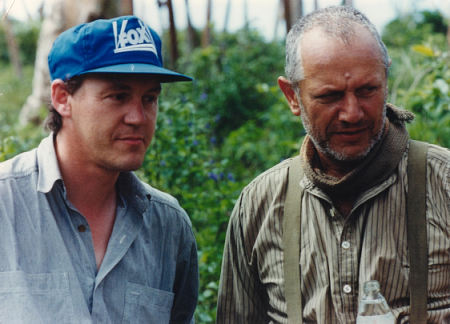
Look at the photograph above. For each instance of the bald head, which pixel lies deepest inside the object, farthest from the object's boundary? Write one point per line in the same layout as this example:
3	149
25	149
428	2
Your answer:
320	50
342	22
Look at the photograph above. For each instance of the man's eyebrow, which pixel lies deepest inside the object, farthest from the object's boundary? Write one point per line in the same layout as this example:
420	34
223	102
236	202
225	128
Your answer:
155	89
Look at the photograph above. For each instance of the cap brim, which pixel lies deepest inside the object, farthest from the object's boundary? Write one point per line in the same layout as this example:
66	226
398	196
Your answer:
162	74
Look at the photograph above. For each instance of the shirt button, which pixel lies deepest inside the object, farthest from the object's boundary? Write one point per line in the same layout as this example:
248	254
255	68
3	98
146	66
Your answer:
81	228
345	245
347	289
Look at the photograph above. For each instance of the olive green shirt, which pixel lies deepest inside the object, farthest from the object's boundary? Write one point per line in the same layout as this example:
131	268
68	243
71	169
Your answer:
337	254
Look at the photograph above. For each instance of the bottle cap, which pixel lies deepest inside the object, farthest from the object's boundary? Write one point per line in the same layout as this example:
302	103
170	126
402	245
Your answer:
372	286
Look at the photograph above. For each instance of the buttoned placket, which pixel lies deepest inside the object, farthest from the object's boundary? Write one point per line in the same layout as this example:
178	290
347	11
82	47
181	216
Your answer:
89	266
347	267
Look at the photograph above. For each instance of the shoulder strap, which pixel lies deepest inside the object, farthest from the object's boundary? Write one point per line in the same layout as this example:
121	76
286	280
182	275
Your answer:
417	230
416	236
291	242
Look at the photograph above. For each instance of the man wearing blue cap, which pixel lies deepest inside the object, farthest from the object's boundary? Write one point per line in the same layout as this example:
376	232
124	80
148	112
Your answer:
83	240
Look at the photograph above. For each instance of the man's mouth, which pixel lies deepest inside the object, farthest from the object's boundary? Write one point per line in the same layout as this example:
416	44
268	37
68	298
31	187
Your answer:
132	140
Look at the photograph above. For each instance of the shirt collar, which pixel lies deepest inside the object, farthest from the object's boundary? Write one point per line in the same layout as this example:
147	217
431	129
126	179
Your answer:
48	167
132	190
129	186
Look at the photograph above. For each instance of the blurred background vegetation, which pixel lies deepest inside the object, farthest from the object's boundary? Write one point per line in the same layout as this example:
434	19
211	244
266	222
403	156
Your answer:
216	134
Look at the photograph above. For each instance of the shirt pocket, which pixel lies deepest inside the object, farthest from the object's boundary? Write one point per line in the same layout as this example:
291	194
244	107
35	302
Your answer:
35	298
147	305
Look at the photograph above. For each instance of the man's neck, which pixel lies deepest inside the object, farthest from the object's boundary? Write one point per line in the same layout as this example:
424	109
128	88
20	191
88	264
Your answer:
92	190
87	184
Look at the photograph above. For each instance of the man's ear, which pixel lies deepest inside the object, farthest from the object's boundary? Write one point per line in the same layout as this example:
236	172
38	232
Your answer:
60	98
290	95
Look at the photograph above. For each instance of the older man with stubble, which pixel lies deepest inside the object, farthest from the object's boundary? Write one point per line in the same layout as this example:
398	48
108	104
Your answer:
352	194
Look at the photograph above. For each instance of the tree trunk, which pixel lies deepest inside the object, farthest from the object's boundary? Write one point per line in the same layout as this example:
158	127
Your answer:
58	16
347	3
227	16
278	18
287	15
13	48
206	38
173	34
448	36
246	22
126	7
191	34
296	8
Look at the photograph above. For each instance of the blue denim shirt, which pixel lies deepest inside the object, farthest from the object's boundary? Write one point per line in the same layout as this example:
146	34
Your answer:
48	272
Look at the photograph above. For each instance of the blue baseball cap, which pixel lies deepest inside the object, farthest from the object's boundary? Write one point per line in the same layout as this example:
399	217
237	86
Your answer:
119	45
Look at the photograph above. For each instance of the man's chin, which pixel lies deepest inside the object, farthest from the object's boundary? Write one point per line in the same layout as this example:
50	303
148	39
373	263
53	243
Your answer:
124	166
346	154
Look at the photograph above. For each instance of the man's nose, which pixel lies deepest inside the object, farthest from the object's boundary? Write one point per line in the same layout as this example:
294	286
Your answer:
135	114
351	111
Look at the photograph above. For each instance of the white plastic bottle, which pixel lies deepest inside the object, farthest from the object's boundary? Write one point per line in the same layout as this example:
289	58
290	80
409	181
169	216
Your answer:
373	308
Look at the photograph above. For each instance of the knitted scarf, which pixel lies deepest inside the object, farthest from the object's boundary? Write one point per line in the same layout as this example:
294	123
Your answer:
376	167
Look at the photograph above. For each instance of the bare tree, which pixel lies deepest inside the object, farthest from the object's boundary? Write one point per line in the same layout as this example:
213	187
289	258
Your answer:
173	34
227	15
191	33
206	38
448	36
126	7
246	21
278	17
316	4
296	7
13	48
287	14
293	10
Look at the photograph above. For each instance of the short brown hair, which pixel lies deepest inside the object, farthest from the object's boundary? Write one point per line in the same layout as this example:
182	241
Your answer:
53	122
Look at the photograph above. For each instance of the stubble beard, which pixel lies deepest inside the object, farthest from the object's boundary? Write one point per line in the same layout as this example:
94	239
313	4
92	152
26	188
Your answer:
323	145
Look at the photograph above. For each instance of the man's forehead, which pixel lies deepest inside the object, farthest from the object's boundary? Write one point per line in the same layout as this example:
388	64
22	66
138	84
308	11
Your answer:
126	80
353	33
317	44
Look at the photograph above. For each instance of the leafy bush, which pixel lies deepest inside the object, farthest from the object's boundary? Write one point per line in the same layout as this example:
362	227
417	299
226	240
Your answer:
183	160
26	37
414	28
429	97
273	135
13	93
226	76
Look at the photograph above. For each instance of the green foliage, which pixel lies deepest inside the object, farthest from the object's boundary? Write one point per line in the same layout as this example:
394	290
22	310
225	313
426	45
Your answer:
216	134
26	37
271	136
227	74
415	28
183	159
429	97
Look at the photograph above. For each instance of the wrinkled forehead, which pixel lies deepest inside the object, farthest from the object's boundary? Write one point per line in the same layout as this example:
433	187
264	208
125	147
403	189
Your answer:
317	44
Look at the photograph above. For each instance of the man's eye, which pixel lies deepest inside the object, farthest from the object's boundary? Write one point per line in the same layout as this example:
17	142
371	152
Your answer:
366	91
330	96
117	96
150	99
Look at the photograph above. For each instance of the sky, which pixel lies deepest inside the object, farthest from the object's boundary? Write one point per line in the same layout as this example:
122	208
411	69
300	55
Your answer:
261	13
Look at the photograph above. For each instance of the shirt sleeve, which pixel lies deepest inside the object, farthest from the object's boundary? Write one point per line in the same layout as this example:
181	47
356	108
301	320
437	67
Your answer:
242	298
187	281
